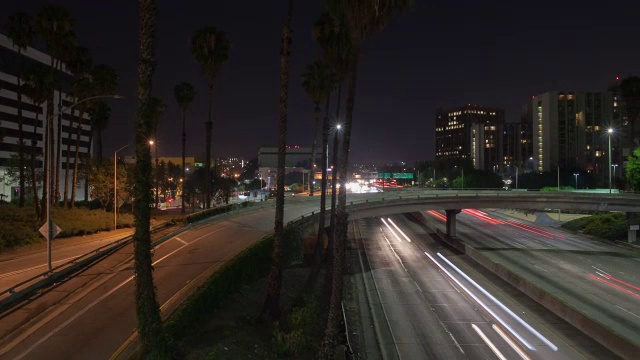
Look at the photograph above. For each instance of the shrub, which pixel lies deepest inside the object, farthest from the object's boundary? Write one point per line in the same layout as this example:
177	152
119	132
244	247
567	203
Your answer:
610	226
302	324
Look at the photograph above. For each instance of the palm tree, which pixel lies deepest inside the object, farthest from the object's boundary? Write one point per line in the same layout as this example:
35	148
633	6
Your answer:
39	87
315	80
272	301
55	25
20	28
80	63
362	17
318	81
157	109
152	337
184	94
210	47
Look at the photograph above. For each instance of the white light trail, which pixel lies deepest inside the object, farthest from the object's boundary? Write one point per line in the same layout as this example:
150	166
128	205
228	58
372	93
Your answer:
395	226
390	229
513	345
485	307
488	342
497	302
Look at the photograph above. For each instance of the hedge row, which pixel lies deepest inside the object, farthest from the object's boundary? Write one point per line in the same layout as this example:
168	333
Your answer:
215	211
250	265
611	226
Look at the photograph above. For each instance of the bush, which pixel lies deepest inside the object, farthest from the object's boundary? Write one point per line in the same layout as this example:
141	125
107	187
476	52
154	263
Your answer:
299	338
610	226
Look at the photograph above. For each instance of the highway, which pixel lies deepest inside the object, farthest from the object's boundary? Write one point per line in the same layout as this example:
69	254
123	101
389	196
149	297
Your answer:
600	280
430	310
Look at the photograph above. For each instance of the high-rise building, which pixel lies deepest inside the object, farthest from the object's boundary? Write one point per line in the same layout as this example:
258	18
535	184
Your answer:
470	132
570	130
33	118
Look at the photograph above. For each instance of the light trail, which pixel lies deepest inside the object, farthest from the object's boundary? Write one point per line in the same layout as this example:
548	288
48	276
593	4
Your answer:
400	231
616	286
488	342
390	229
513	345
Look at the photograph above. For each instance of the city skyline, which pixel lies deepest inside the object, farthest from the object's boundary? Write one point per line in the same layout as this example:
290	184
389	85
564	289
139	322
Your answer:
436	55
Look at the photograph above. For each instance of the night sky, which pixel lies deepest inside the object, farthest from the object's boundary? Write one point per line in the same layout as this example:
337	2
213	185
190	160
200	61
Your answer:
439	54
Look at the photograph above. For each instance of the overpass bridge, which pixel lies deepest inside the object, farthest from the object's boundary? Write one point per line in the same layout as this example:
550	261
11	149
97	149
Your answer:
452	201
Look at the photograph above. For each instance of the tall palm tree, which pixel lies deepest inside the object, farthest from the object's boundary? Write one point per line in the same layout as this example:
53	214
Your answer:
38	86
316	78
272	301
152	337
362	18
319	80
210	47
80	63
157	109
184	94
55	25
20	29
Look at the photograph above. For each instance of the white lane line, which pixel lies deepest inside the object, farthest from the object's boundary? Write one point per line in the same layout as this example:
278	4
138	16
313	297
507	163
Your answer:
602	271
182	241
483	305
513	345
390	229
396	226
94	303
497	302
15	272
623	309
488	342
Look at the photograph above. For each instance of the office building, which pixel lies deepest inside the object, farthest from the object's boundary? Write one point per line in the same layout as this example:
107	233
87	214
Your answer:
33	119
470	132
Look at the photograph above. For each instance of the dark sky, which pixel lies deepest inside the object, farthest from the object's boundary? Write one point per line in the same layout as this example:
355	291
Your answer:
440	54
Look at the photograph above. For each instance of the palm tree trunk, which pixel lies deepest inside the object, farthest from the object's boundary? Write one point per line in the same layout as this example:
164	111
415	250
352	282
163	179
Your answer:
20	135
272	301
152	337
334	177
47	145
157	169
316	122
317	252
34	182
85	166
184	144
59	142
208	135
341	213
65	197
76	160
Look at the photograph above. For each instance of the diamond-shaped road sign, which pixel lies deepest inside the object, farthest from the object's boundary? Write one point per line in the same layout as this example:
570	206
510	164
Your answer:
44	230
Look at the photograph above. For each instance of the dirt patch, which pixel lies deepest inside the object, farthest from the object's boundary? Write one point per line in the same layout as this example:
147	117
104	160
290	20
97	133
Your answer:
233	332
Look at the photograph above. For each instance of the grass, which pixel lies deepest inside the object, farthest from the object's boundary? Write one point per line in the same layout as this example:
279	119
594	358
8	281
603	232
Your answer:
610	226
20	225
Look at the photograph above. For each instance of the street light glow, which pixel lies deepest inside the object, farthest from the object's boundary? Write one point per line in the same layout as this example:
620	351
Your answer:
151	142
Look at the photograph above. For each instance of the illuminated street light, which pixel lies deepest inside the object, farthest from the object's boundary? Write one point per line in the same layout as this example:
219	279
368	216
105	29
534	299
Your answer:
609	132
576	175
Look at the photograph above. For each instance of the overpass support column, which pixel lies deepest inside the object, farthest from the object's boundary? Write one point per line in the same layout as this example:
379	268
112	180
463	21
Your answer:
451	221
633	226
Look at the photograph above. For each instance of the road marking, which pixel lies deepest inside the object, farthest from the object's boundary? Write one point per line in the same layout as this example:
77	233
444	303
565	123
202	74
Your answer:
182	241
513	345
16	272
602	271
488	342
623	309
94	303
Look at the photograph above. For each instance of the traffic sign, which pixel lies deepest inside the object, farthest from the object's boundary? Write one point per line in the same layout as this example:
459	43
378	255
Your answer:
44	230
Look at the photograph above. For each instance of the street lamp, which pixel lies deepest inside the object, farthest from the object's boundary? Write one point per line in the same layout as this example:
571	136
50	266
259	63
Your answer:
614	174
516	175
49	225
609	132
576	175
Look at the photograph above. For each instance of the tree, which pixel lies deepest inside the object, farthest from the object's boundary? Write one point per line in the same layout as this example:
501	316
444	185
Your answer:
55	25
184	94
81	61
210	47
317	81
157	109
632	169
272	301
39	87
362	18
153	340
20	29
105	81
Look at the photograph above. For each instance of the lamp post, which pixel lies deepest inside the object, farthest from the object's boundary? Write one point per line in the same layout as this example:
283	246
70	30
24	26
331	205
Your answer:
50	227
609	132
615	166
516	175
558	177
576	175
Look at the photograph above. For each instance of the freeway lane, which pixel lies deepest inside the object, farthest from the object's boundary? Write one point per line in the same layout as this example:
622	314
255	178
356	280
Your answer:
433	312
92	318
598	279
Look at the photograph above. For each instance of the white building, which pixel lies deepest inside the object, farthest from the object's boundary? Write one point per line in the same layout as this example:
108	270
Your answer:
32	129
